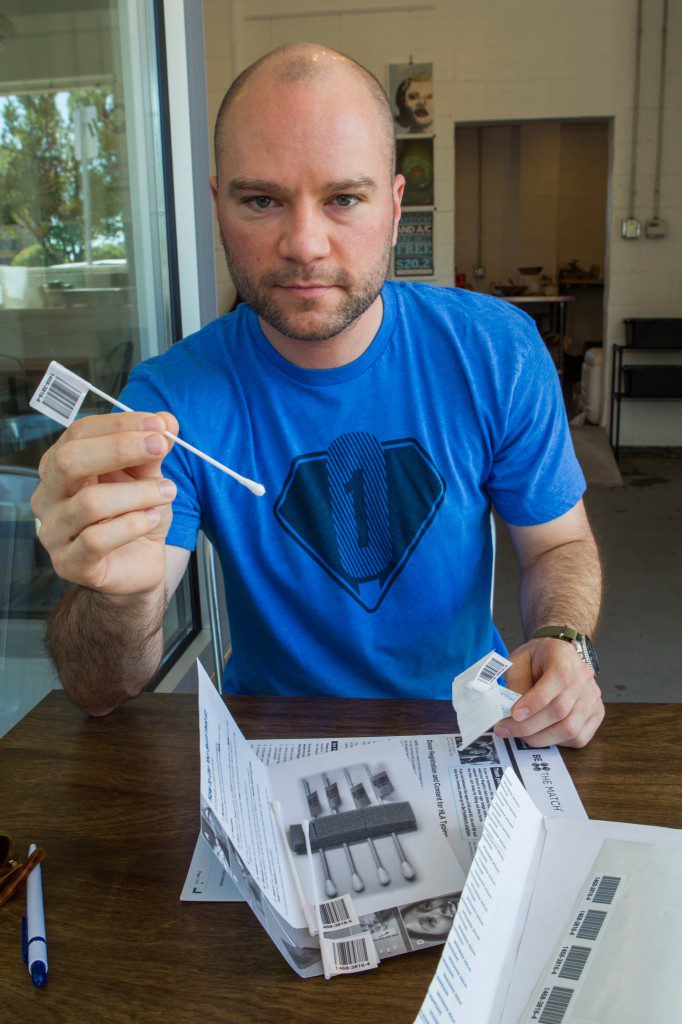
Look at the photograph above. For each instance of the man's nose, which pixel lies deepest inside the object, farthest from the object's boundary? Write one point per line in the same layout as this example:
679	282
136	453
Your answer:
305	238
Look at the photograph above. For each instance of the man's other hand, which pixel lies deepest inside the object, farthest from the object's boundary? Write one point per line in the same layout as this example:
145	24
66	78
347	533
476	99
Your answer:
562	702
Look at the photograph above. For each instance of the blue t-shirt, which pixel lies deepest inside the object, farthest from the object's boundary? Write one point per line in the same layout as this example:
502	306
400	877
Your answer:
366	569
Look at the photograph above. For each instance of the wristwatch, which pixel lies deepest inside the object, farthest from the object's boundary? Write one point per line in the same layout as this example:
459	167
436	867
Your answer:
580	641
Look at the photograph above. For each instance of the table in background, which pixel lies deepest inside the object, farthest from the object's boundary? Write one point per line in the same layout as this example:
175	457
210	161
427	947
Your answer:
115	802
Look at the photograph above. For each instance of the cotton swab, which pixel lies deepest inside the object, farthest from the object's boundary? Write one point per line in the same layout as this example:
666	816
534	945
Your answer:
60	395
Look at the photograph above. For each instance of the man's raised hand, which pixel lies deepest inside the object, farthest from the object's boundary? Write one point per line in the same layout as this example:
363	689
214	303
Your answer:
103	504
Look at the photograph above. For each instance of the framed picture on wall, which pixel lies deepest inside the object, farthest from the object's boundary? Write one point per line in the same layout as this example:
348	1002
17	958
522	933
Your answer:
415	163
410	91
413	255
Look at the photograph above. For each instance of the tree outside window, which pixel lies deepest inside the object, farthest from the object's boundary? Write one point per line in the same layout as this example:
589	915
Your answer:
42	210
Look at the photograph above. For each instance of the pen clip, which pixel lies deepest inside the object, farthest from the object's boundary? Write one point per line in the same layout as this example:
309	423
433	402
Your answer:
24	940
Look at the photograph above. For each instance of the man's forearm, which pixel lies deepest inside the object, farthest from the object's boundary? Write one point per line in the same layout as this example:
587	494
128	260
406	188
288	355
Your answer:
563	586
106	650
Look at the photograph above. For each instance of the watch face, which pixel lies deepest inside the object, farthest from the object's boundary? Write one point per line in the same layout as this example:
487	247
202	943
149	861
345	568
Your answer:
591	654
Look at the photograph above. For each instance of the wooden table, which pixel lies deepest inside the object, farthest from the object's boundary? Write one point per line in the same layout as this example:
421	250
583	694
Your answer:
115	802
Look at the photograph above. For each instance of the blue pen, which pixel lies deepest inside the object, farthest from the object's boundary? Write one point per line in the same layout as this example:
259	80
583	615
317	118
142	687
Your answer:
34	947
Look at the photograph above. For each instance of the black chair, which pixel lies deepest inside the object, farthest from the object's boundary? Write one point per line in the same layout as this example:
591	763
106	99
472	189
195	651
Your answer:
19	424
29	586
111	371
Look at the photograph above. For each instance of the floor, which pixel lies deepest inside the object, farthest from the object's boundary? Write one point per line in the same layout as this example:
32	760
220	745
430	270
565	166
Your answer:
637	525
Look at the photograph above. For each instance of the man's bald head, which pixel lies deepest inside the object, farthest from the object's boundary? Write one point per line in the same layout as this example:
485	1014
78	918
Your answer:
305	63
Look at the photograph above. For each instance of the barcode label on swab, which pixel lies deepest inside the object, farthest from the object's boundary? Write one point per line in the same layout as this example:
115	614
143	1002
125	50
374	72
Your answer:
490	671
337	913
348	956
60	395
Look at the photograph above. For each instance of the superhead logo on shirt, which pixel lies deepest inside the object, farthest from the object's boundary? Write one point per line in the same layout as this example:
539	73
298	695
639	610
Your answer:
360	509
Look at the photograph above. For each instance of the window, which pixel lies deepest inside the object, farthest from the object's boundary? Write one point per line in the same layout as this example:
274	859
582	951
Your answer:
84	270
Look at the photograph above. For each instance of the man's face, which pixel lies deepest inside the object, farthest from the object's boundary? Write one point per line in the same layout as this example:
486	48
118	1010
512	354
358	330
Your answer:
419	104
306	203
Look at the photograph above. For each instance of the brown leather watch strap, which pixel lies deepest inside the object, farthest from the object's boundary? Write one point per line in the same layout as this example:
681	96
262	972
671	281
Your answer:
10	882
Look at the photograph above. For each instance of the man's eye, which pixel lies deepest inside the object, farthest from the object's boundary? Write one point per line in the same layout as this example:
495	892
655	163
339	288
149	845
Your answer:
347	202
259	202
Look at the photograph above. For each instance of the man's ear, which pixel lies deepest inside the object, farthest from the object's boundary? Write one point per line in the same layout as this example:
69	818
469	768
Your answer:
398	189
213	183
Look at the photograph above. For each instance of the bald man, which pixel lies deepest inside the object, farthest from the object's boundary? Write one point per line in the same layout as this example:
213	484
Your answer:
384	419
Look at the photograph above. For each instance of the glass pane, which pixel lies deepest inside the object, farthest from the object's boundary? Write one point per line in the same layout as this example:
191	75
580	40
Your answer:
83	268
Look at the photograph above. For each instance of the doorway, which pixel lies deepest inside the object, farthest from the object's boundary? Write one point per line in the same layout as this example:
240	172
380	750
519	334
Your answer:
530	225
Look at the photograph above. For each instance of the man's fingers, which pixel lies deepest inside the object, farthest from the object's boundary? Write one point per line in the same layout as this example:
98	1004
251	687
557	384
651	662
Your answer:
559	708
172	425
576	733
548	686
113	423
76	461
100	502
154	468
590	727
566	706
87	555
560	676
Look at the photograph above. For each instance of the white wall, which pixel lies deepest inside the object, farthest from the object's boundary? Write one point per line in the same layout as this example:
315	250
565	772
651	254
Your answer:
512	60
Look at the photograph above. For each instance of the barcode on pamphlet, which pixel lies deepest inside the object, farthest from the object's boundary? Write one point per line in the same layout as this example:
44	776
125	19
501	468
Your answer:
59	395
493	667
555	1008
573	965
591	925
606	889
337	913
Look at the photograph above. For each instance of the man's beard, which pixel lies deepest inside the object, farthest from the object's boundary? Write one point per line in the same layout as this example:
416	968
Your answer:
358	296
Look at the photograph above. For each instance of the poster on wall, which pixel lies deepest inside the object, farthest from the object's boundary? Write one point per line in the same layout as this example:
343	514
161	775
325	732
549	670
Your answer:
415	163
414	249
410	91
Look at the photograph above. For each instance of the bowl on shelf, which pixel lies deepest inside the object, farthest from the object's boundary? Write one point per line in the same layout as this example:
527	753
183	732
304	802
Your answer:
530	271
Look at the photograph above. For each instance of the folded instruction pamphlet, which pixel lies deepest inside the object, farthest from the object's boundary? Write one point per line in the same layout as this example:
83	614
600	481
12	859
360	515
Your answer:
563	922
396	872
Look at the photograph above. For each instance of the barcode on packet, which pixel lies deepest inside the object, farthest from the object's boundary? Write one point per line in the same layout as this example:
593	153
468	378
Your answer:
493	668
573	965
591	925
59	395
555	1008
337	913
606	889
352	954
